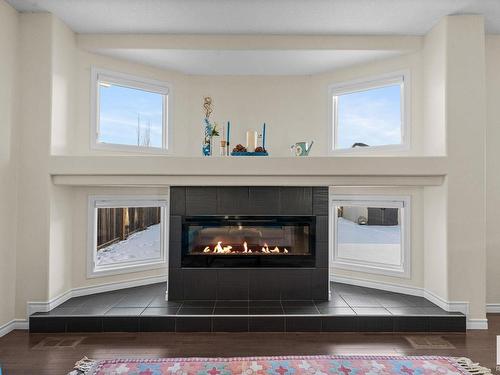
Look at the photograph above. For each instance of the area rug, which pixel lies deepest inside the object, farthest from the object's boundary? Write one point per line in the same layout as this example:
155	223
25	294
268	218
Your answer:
290	365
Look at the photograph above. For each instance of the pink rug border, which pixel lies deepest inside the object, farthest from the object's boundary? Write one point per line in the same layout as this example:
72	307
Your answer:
451	360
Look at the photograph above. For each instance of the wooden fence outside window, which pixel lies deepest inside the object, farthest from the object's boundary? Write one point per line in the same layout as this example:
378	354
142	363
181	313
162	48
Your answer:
117	224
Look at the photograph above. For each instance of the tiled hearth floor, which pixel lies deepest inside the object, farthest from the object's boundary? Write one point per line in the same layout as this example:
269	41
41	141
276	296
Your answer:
144	309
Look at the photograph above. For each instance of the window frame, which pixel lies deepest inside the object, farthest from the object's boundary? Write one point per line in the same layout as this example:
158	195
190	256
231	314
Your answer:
122	201
133	82
335	90
403	202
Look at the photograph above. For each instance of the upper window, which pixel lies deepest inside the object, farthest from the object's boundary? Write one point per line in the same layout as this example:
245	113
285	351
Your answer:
129	113
369	115
371	234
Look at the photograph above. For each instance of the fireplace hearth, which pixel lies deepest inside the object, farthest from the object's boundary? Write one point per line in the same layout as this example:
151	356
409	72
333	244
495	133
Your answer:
248	241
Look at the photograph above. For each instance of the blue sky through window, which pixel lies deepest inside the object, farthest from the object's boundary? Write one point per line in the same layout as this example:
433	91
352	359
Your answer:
130	116
372	117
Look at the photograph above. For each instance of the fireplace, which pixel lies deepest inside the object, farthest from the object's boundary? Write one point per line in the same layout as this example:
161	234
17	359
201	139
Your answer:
248	241
209	226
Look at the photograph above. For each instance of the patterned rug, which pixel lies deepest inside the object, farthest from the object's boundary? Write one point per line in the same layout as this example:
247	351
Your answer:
291	365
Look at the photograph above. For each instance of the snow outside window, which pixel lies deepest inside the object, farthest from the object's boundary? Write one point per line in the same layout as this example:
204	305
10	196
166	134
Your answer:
371	234
126	235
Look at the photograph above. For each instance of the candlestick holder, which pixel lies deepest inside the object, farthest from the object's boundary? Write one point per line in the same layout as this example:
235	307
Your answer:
252	148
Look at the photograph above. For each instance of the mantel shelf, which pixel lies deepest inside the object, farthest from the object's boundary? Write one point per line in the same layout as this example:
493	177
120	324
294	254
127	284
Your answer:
170	170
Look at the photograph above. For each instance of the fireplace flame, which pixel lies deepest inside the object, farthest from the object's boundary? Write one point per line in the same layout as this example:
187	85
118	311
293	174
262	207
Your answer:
220	248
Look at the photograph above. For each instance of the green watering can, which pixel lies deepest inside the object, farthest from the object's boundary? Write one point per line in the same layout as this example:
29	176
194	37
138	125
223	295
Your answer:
301	148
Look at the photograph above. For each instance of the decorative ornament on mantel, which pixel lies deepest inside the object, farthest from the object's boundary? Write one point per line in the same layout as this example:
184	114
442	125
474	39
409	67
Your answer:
208	127
301	148
252	148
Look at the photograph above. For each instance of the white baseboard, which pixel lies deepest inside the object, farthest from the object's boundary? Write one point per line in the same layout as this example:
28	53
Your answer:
462	307
451	306
34	307
477	323
493	308
388	287
85	291
12	325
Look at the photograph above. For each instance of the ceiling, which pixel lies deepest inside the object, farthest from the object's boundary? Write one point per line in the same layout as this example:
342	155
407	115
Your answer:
379	17
248	62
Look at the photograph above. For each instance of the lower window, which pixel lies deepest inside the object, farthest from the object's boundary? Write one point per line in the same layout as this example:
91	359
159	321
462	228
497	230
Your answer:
126	234
371	234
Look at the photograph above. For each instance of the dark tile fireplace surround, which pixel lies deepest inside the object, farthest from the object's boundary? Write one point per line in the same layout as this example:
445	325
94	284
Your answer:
263	279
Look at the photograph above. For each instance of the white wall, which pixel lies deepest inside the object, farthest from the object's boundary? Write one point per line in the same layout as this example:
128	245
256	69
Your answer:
295	108
34	182
61	236
64	60
465	135
63	86
435	240
9	26
492	173
434	87
455	213
435	197
291	106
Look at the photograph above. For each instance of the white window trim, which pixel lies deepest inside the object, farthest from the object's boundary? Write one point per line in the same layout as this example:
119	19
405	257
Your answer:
403	202
402	77
128	80
102	201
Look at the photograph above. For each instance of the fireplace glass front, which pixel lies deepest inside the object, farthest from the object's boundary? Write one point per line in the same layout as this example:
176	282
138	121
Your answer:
248	241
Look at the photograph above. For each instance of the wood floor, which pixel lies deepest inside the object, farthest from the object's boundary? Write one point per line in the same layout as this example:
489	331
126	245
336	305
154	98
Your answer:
35	354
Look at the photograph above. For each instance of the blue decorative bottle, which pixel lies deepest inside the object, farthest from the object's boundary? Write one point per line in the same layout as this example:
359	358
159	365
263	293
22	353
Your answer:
206	148
207	140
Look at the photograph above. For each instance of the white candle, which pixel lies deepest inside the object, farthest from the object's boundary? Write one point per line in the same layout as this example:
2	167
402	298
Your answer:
251	140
